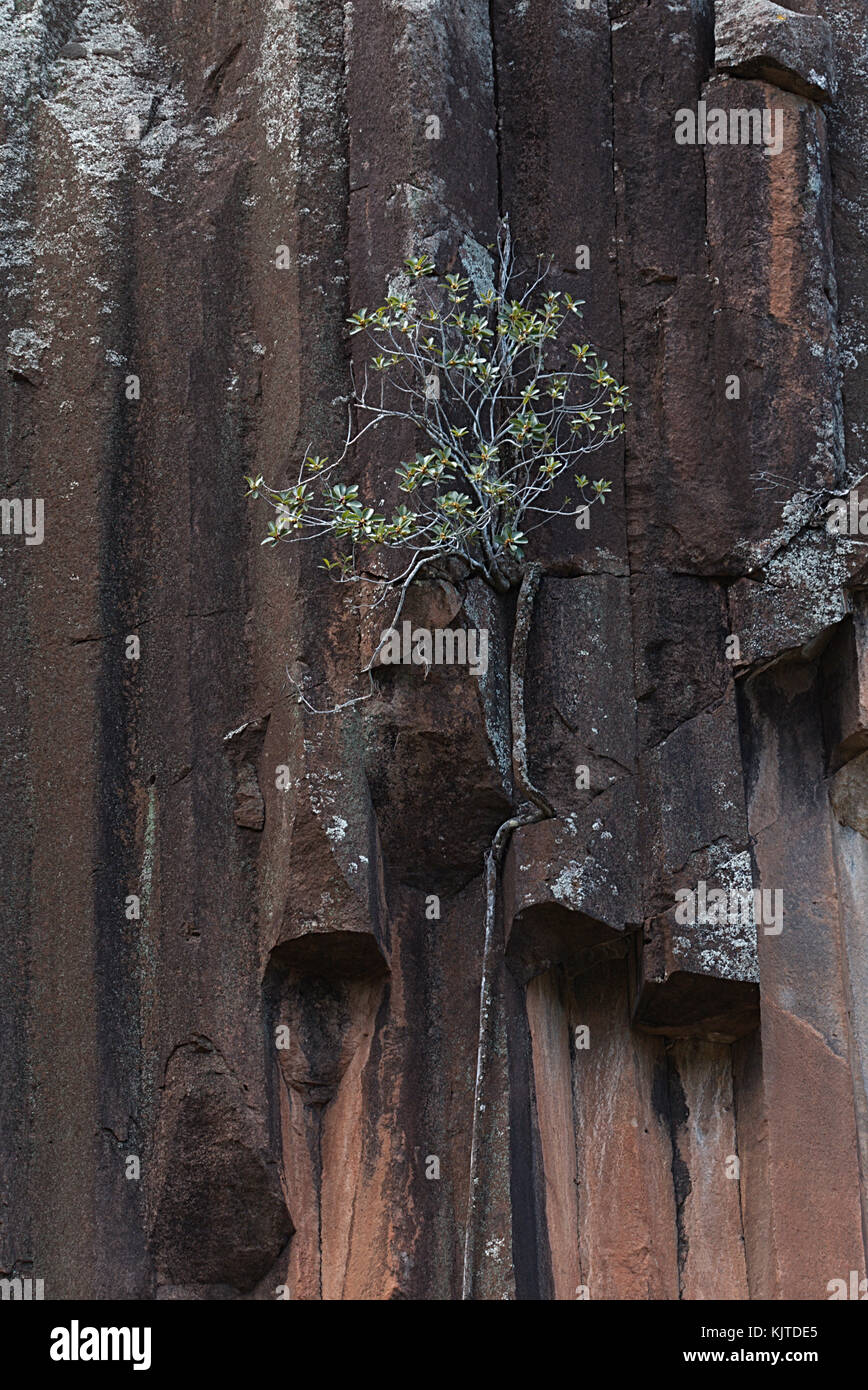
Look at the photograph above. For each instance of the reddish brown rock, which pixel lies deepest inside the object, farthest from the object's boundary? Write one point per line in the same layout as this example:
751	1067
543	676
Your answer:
196	858
805	991
707	1172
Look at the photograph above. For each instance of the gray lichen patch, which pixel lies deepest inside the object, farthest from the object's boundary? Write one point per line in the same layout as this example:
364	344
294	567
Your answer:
579	881
24	351
728	949
112	110
478	266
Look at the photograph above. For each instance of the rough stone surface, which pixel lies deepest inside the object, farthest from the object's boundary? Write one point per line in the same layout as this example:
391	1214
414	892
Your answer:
249	806
242	940
847	795
757	38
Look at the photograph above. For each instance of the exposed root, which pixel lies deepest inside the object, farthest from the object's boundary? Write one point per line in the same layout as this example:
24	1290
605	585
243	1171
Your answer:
518	665
534	808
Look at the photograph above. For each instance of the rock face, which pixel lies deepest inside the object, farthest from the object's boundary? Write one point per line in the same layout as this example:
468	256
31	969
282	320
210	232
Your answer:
757	38
242	941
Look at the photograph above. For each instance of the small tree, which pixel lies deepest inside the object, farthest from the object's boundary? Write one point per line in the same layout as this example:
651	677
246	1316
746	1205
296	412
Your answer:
506	405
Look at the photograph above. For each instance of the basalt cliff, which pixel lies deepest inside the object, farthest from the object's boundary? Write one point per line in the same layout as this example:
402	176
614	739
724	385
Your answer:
242	941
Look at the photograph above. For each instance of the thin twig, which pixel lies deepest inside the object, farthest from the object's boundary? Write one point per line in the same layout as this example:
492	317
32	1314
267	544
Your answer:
303	700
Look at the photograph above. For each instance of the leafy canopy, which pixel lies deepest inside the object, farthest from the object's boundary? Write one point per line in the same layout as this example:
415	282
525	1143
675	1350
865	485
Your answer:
505	404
